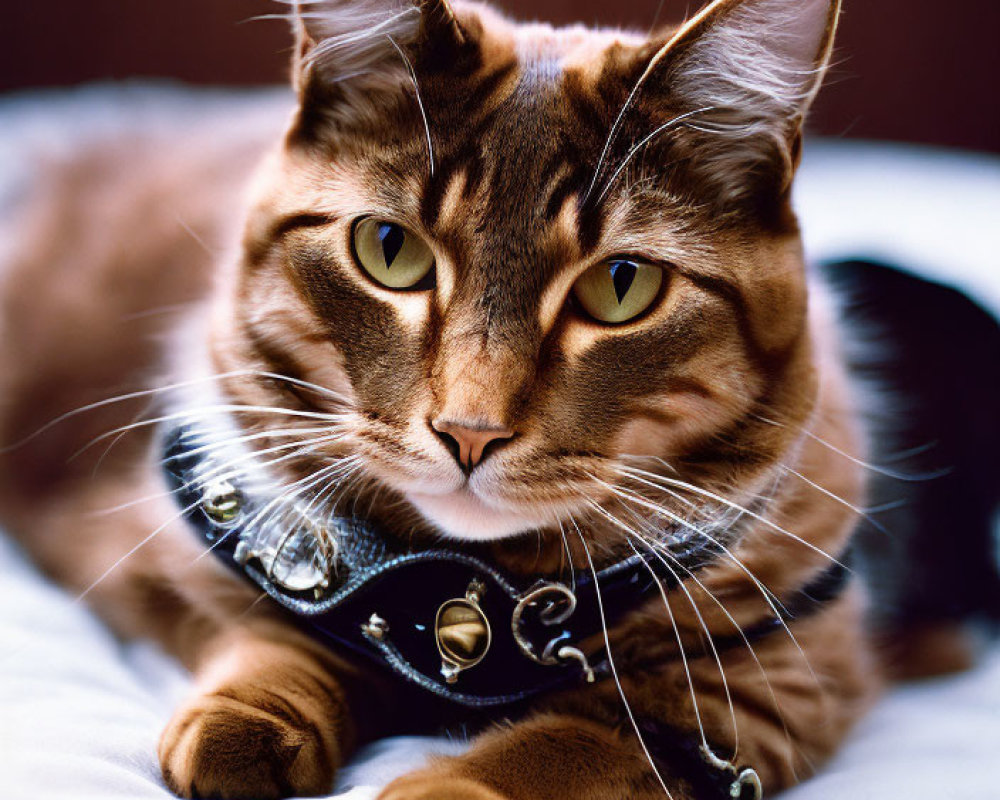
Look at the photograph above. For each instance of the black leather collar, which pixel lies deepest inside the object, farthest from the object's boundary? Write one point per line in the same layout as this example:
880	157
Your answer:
447	621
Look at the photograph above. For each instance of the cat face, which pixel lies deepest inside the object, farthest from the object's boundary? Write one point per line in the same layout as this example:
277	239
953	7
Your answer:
531	265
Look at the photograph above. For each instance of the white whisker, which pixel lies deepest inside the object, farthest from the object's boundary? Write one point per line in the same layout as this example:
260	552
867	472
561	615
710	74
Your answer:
420	102
195	413
774	603
614	669
646	140
122	398
635	474
104	575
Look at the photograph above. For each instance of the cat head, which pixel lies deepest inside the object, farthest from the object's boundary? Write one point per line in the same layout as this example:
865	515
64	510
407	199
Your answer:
530	272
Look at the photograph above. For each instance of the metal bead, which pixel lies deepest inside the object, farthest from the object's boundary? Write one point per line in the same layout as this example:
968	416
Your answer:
242	554
450	672
376	627
221	501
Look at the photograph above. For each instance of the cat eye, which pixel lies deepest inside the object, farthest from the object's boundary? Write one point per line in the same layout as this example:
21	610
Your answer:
618	290
392	255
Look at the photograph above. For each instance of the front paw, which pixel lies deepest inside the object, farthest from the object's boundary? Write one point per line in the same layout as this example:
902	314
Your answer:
222	747
431	786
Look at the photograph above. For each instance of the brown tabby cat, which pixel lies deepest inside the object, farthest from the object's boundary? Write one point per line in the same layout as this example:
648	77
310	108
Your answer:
536	288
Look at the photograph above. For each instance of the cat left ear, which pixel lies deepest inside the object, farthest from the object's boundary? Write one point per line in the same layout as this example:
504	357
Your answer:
746	71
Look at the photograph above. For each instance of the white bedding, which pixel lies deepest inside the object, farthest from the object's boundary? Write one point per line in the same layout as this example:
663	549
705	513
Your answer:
80	712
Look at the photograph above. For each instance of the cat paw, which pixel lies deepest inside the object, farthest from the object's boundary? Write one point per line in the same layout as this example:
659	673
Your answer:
221	747
432	786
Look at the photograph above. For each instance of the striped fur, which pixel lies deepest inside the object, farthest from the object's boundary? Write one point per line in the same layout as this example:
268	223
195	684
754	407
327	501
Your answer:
523	155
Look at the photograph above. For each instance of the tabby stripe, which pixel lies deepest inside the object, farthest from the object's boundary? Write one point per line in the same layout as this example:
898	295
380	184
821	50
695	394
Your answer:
283	226
278	360
768	362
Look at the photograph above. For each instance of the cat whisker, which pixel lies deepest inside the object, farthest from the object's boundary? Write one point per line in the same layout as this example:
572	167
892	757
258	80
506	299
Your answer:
660	551
227	467
656	19
173	308
662	554
420	102
776	607
195	413
123	398
107	451
614	668
673	622
104	575
291	490
344	487
239	440
864	514
288	494
663	551
619	119
194	235
319	477
878	470
569	556
774	604
650	478
643	142
631	497
257	601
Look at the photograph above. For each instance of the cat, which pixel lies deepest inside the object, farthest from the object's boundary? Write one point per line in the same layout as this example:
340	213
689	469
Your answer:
533	293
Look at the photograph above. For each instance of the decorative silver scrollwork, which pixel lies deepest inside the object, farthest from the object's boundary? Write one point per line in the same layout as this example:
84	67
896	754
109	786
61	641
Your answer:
743	777
559	604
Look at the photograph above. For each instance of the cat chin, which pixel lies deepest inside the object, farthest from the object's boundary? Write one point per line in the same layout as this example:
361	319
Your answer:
463	515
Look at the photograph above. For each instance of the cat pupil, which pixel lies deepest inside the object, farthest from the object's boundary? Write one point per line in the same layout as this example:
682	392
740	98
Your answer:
392	238
622	276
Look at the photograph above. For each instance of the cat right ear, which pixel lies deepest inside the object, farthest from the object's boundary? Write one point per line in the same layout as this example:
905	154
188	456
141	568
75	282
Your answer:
350	52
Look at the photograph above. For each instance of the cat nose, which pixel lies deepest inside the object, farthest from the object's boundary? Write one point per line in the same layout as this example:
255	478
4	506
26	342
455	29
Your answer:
469	443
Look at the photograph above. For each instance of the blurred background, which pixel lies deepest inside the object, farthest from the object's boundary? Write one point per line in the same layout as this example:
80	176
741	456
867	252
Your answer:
907	70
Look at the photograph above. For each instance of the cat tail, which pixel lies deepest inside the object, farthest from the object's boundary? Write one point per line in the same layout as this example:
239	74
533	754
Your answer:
927	360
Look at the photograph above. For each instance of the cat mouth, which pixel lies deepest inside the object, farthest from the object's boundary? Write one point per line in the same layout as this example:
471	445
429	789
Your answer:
465	515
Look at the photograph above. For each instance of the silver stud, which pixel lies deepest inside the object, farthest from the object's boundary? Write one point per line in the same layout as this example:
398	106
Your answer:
242	554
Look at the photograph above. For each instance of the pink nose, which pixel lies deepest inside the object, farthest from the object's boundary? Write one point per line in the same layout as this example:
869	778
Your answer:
469	444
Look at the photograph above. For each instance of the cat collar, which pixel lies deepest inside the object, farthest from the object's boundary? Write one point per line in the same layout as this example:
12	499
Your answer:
448	621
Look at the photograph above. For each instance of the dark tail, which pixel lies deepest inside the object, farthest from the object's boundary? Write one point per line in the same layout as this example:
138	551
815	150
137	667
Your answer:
932	356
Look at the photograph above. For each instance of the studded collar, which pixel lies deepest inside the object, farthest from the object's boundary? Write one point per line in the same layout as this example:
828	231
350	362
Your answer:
445	620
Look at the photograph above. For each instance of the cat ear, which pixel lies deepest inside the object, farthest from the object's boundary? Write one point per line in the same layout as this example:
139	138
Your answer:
746	71
348	51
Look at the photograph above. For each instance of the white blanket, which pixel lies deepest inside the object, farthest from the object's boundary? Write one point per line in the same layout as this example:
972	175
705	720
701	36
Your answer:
80	712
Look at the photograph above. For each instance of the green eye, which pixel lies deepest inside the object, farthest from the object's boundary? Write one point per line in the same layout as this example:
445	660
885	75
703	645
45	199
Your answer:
392	255
618	290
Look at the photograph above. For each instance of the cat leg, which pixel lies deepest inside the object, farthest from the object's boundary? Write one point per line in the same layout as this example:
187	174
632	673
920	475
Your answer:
268	720
269	716
549	756
585	747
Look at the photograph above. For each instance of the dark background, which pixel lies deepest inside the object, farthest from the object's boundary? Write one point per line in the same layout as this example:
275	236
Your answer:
910	70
